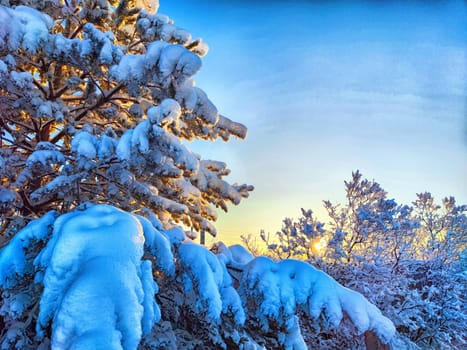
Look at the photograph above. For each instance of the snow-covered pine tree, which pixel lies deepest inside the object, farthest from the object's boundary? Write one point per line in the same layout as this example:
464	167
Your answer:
96	99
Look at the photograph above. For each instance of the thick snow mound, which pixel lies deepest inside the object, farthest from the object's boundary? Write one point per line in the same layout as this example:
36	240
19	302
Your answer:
205	276
240	254
235	256
23	26
98	293
279	289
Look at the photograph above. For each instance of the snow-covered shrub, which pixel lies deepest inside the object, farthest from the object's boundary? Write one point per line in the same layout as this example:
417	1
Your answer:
411	266
407	260
89	279
274	293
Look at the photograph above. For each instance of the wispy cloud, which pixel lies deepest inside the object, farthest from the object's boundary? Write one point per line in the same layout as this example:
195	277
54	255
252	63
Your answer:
329	87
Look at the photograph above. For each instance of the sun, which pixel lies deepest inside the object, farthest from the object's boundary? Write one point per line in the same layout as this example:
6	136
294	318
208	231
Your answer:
318	245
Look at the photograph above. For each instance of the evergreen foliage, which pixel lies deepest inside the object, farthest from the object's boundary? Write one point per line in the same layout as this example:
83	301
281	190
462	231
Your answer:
97	98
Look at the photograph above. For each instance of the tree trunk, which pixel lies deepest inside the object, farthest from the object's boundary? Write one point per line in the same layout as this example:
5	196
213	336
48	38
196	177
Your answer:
202	238
373	343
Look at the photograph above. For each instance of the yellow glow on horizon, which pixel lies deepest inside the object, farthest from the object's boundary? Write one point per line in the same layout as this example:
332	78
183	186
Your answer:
256	214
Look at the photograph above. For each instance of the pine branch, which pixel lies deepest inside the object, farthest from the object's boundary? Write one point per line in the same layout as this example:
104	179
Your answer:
104	99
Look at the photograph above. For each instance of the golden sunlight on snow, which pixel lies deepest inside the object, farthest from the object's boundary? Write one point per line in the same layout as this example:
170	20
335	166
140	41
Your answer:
150	5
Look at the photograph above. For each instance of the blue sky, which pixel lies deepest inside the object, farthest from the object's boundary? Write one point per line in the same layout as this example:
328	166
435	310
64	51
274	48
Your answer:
328	87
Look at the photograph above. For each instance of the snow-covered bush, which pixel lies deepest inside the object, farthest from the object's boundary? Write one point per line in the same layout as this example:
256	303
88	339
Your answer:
97	290
407	260
274	292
